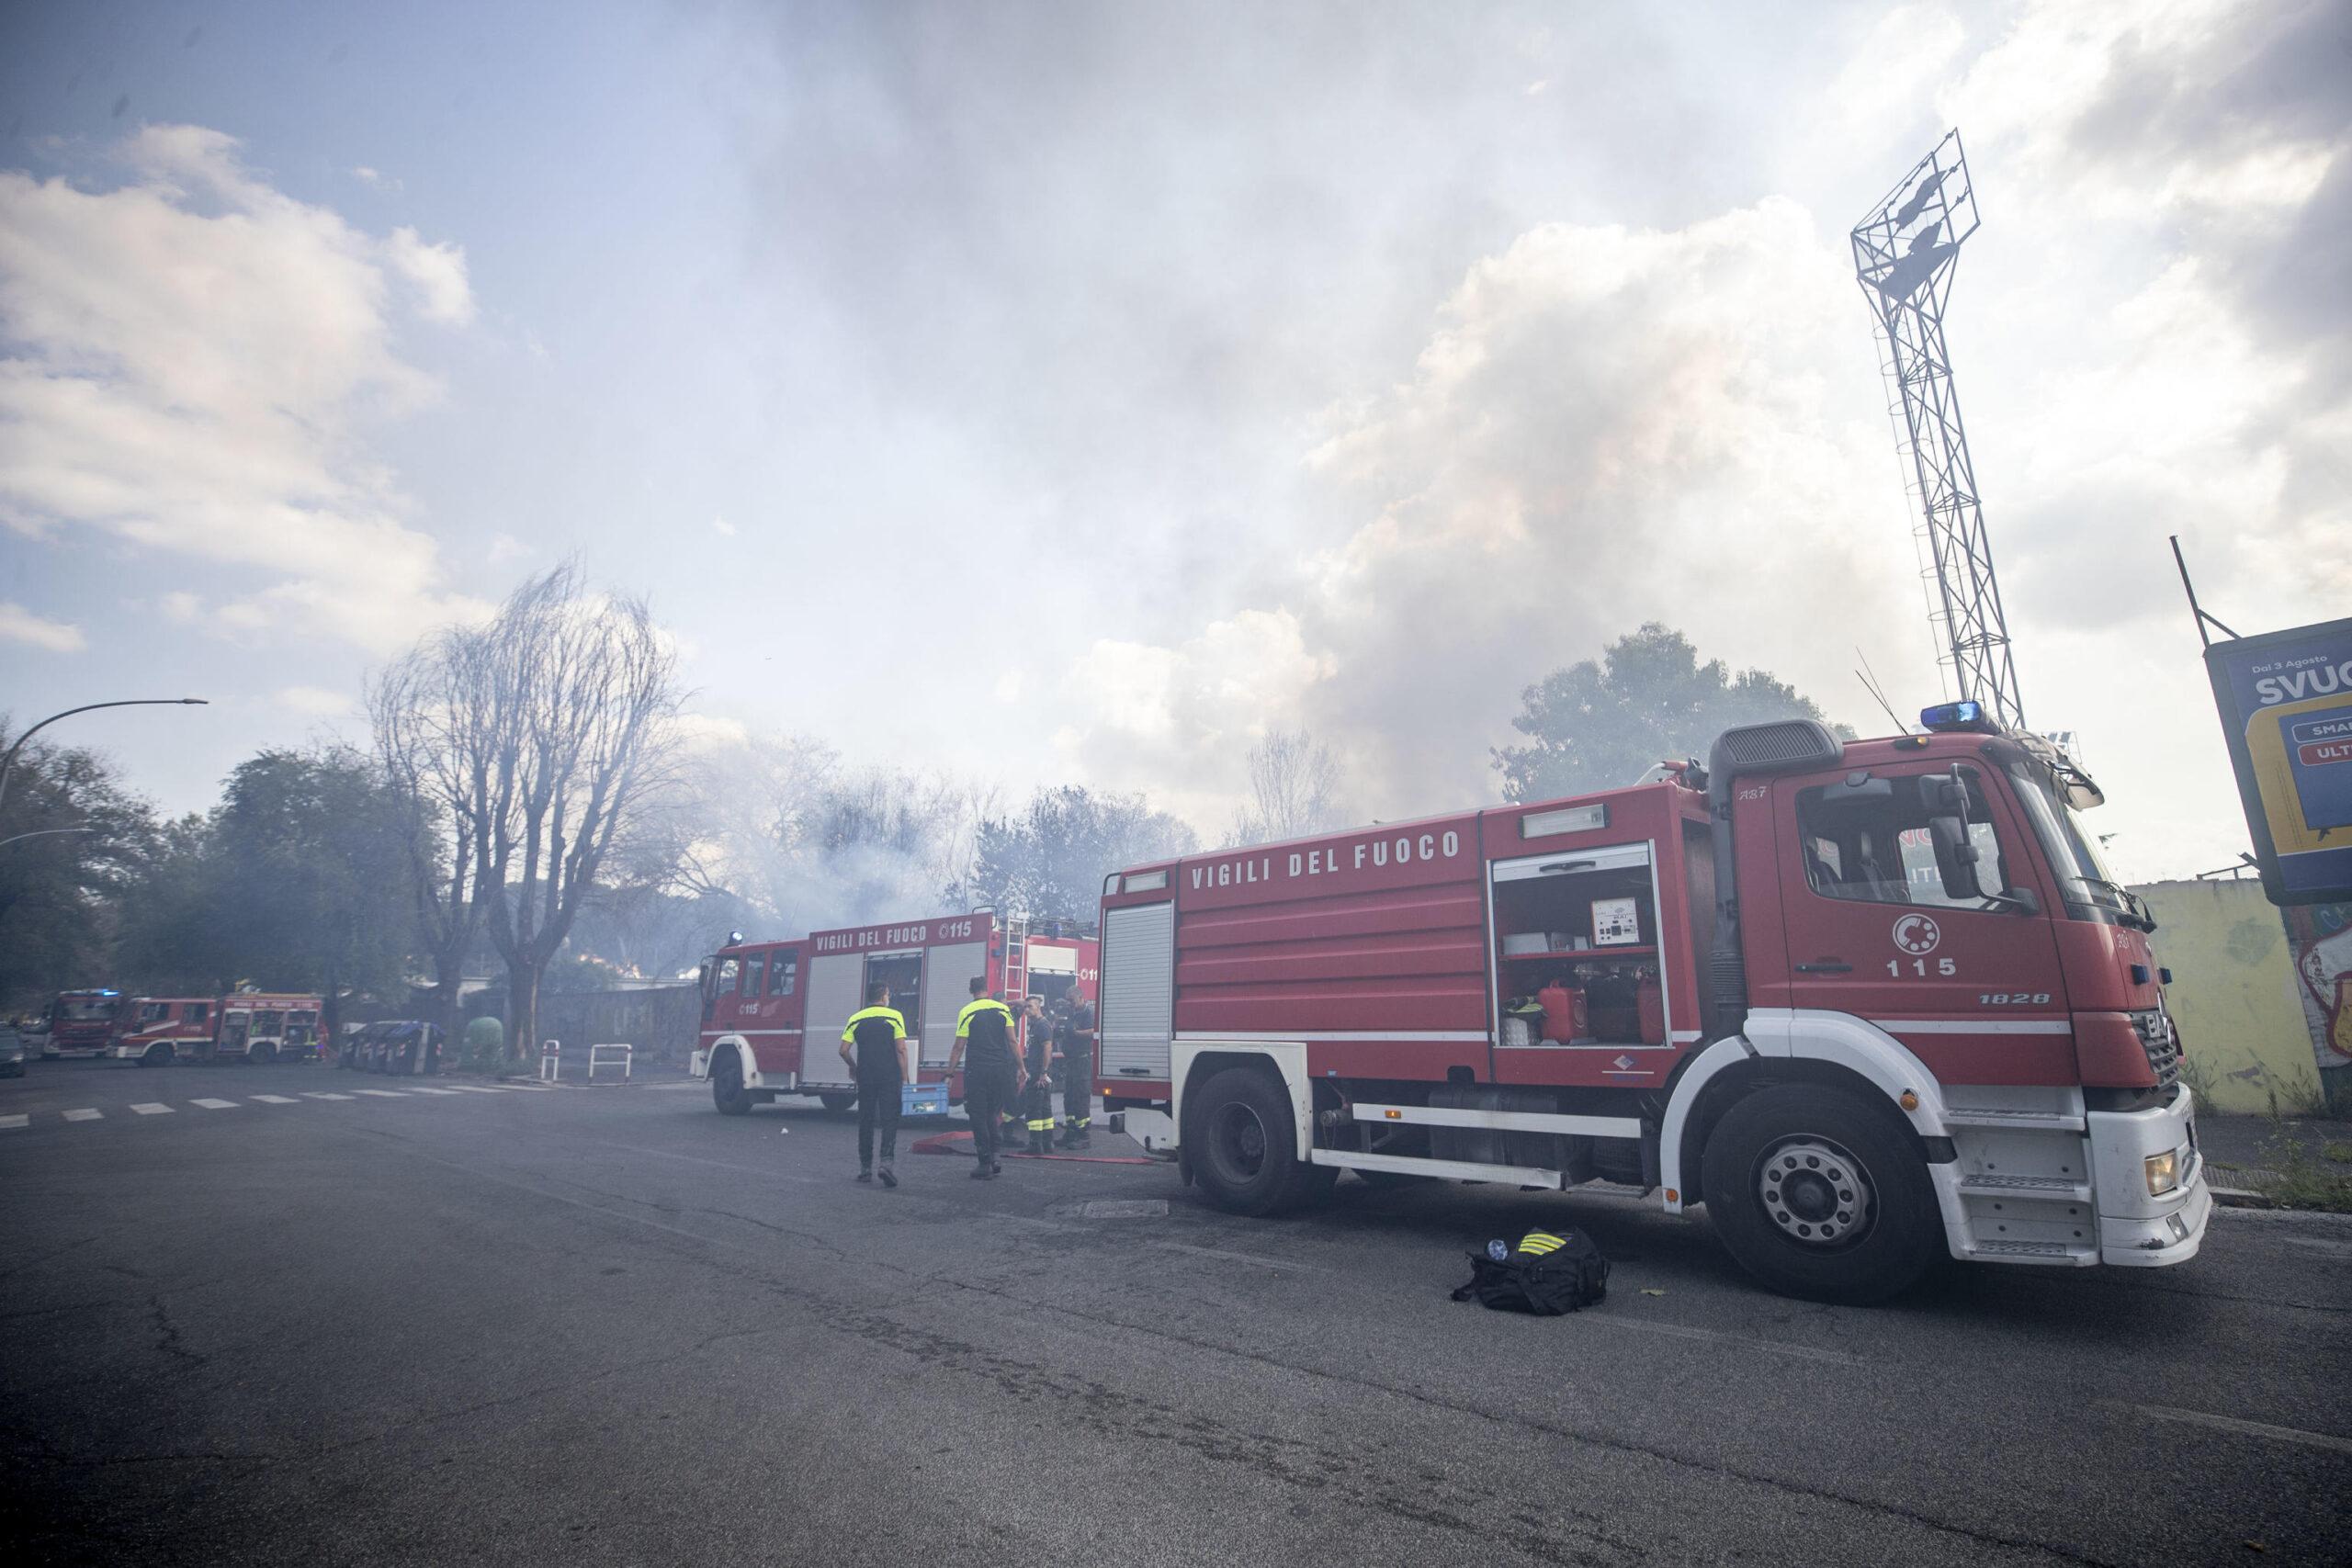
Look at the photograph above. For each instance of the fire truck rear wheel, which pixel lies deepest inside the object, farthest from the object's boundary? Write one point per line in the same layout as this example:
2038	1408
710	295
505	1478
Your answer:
838	1103
1820	1195
156	1056
262	1056
1244	1145
727	1091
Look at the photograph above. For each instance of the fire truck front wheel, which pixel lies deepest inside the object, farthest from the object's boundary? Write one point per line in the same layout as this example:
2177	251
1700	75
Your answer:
1245	1152
159	1055
1820	1196
727	1091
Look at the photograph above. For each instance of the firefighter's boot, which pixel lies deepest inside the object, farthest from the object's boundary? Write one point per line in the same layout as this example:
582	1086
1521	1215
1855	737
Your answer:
1077	1135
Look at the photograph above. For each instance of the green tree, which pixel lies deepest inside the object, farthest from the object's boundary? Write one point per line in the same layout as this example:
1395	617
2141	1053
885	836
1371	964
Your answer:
296	881
314	880
1049	862
1603	723
173	942
84	841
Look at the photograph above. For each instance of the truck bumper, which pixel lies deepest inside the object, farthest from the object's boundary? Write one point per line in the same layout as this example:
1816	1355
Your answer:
2139	1229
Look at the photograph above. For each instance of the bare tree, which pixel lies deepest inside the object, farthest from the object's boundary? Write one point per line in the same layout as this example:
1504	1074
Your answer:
438	733
1294	790
584	693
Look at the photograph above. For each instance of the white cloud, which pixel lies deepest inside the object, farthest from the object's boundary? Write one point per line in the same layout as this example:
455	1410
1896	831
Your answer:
314	702
439	274
20	625
181	607
375	178
505	547
723	529
193	357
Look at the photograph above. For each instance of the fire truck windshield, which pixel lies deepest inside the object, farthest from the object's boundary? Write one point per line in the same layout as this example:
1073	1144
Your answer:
2073	850
86	1010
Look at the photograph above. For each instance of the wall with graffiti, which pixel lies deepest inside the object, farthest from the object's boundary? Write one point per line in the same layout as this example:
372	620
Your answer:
2263	1003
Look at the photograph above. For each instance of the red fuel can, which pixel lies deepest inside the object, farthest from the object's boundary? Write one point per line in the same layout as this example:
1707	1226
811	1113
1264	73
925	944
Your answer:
1564	1013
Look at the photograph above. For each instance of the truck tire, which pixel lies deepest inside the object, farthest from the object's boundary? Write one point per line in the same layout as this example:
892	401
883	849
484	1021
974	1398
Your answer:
159	1055
262	1056
837	1103
1238	1128
727	1091
1820	1195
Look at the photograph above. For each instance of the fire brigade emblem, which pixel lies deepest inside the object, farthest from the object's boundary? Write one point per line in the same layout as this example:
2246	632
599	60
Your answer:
1917	934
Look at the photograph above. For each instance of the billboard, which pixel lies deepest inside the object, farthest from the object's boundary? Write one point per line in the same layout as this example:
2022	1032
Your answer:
2286	701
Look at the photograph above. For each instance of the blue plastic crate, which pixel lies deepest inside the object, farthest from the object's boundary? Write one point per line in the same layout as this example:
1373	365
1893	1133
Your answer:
922	1100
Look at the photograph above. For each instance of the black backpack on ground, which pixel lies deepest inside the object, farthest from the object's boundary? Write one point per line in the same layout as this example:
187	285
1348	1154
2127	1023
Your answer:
1547	1275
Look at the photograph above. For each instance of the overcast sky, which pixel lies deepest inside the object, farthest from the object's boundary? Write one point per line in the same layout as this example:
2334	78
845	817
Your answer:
1068	392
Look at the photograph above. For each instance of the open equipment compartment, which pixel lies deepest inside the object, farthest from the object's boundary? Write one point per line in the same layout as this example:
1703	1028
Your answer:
1580	923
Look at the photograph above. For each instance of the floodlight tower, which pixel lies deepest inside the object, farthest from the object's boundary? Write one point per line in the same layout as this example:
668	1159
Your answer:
1905	251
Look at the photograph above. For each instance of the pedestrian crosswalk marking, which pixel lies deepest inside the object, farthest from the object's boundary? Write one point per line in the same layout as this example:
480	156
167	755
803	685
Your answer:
151	1108
276	1100
422	1090
480	1089
311	1094
215	1104
17	1120
7	1121
85	1115
384	1093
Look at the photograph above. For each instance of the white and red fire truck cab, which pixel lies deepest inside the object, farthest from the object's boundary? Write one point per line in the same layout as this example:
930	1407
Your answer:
1870	1003
773	1011
153	1031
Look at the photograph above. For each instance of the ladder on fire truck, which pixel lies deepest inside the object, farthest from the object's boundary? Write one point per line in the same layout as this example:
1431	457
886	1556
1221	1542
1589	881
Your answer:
1016	959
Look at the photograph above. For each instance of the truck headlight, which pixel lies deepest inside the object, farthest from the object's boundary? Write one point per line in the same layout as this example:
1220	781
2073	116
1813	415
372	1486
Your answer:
2163	1172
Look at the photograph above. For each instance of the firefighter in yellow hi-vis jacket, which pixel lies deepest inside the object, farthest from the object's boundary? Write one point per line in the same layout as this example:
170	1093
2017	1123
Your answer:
874	1046
986	1027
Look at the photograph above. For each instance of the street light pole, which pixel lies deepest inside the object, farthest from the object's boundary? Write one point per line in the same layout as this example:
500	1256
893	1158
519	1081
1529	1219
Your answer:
8	762
41	833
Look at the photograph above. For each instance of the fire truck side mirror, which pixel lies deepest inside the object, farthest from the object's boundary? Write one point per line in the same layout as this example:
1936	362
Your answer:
1955	857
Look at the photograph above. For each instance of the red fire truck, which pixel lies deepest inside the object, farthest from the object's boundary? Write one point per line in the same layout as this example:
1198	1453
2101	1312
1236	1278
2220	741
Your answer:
243	1026
763	1002
80	1021
1870	1003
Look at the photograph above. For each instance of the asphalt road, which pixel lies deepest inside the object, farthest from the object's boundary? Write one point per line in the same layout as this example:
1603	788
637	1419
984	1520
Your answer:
611	1327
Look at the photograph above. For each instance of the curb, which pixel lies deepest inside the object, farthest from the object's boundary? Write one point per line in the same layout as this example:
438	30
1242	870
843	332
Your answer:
2241	1198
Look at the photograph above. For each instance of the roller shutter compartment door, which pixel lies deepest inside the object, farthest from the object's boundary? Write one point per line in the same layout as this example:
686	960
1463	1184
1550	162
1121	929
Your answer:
836	985
947	975
1138	991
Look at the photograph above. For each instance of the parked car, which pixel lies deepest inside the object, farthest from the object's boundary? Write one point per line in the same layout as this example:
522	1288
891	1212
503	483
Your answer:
12	1052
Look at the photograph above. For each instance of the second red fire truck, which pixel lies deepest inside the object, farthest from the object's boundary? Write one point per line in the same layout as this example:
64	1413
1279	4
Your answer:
1869	1002
243	1026
773	1011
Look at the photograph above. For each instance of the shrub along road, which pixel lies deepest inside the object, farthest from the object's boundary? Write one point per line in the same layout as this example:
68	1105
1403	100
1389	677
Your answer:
611	1326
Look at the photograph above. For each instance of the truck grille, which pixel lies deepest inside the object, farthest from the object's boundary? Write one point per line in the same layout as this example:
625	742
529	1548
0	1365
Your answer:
2161	1042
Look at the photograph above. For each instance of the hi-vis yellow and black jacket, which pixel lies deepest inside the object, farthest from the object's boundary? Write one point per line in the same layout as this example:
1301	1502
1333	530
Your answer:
986	1027
876	1032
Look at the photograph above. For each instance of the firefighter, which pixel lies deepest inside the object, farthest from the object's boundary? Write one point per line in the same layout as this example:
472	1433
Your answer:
1037	1095
985	1026
874	1047
1076	1037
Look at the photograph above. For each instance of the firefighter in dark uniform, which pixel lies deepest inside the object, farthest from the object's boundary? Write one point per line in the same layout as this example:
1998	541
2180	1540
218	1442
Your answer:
984	1049
1037	1100
1075	1035
874	1046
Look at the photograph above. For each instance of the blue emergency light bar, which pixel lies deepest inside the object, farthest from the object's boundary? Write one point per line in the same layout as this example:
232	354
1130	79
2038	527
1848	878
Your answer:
1946	716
